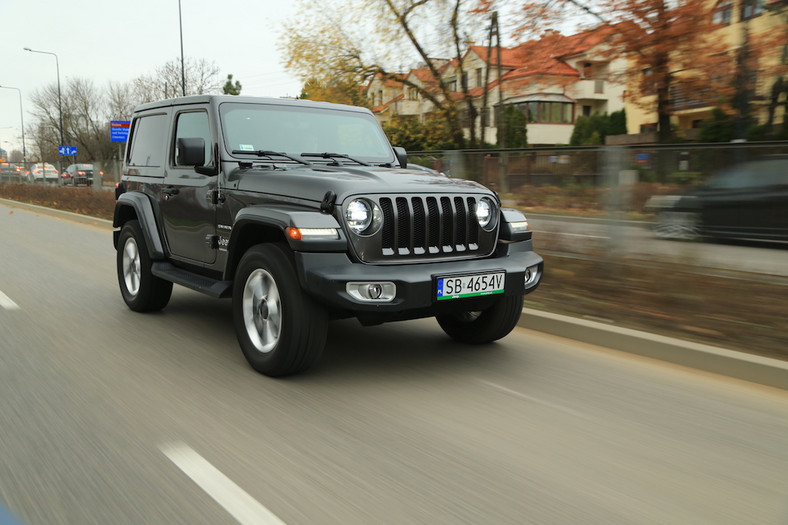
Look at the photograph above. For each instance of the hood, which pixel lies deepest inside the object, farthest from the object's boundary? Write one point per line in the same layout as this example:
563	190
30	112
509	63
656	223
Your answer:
312	182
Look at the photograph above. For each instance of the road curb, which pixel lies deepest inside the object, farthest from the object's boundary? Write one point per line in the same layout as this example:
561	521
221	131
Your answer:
739	365
61	214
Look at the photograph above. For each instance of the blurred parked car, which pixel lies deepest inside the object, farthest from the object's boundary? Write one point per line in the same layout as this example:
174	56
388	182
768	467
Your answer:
77	174
745	201
43	172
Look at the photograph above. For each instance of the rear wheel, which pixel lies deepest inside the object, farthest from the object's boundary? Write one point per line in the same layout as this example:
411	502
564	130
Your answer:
484	326
142	291
280	329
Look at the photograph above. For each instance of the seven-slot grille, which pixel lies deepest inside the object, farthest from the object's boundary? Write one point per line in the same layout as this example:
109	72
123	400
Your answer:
423	227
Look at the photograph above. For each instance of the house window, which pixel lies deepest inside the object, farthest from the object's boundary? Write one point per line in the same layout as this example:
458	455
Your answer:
586	111
723	12
649	83
413	94
479	79
380	97
548	112
486	117
465	118
751	9
464	81
555	112
451	83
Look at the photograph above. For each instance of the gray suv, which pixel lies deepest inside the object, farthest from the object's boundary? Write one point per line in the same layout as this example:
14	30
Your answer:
302	212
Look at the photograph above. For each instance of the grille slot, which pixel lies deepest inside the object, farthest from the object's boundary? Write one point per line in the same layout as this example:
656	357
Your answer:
419	227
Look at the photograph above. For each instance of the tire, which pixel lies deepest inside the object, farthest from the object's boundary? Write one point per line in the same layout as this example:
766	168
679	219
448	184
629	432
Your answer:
483	326
142	291
680	225
280	329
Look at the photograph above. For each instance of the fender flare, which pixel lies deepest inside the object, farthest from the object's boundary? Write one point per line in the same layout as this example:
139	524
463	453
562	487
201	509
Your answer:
278	219
143	209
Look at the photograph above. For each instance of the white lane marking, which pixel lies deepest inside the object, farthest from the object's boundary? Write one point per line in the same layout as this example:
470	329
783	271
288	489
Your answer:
243	507
7	303
535	399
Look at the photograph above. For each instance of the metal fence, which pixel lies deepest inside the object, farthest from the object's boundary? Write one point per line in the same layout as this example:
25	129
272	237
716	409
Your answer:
642	168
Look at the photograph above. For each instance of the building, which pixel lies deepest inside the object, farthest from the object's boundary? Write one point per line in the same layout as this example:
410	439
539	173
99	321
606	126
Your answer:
553	80
744	28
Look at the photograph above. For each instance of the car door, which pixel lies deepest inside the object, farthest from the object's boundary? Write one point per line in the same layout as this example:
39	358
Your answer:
187	197
771	220
748	201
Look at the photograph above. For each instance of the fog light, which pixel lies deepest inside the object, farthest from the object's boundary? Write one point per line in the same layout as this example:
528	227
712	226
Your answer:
375	292
531	276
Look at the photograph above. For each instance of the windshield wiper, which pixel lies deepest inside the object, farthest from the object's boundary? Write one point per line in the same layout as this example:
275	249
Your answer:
334	156
267	153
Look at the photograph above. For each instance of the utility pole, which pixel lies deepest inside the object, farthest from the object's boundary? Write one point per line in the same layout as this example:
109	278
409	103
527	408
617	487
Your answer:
500	121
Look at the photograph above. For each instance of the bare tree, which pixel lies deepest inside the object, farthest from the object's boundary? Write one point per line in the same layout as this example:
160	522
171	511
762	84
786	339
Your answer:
84	120
320	46
202	77
120	100
87	110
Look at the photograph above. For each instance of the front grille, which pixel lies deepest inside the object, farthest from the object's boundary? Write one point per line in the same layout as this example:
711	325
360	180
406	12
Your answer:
425	227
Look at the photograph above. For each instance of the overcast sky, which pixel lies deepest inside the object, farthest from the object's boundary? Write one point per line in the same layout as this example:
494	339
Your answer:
110	40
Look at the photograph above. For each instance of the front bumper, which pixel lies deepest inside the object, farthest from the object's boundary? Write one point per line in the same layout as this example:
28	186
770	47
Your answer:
325	275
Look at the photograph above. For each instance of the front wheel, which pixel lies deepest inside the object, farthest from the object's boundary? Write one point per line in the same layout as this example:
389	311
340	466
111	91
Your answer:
680	225
484	326
280	329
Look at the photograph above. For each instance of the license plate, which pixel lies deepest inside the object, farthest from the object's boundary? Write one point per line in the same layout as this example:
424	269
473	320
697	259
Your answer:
460	286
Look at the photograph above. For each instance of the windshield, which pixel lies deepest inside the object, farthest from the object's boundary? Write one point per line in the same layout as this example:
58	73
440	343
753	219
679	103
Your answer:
769	172
297	130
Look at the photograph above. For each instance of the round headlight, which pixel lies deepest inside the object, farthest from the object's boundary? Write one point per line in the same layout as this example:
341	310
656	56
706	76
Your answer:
484	212
358	216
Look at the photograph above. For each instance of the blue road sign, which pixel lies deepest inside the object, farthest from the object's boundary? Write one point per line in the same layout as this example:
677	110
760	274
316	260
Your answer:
67	150
119	130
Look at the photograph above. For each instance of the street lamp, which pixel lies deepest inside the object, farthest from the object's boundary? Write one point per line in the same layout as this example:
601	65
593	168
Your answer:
22	119
59	99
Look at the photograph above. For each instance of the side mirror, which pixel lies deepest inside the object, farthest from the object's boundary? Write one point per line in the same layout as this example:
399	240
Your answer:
402	156
191	151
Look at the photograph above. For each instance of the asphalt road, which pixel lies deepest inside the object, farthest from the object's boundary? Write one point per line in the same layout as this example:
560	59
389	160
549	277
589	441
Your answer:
636	240
107	416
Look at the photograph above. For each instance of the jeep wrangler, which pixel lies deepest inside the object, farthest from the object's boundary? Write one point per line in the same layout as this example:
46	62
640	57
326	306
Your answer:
302	212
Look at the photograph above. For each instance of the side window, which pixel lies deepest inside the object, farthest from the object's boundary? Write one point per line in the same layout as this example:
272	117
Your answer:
149	137
773	172
193	124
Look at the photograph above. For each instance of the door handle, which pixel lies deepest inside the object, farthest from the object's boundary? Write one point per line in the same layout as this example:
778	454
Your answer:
170	190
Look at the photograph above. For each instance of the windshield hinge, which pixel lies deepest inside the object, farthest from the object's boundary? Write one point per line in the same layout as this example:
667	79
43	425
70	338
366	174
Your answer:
217	197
